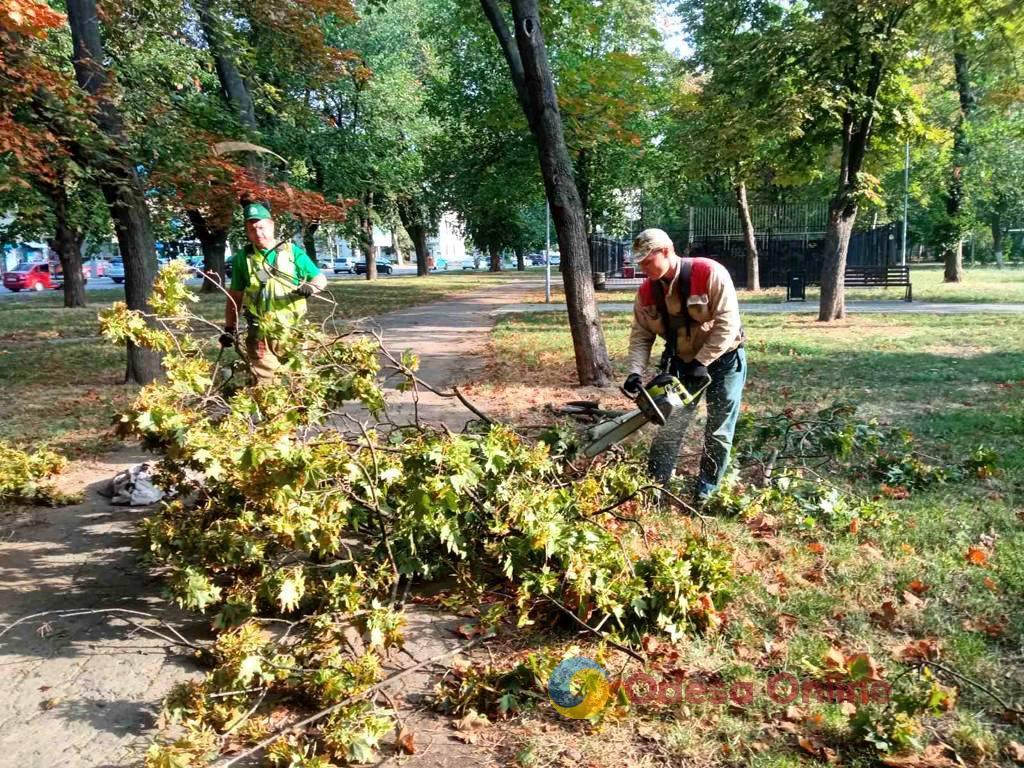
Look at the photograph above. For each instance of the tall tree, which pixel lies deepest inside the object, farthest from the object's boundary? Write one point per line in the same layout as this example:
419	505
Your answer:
527	60
955	203
120	181
728	125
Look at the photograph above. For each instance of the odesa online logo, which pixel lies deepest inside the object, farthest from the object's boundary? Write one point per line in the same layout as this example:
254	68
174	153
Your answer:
580	674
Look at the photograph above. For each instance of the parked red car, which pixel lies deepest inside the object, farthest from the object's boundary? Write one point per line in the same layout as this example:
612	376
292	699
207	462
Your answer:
57	275
36	277
30	277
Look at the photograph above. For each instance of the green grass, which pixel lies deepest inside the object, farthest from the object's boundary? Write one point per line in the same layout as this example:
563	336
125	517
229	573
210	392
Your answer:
62	382
955	383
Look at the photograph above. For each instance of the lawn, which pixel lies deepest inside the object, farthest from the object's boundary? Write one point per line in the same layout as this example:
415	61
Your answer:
62	381
981	284
818	580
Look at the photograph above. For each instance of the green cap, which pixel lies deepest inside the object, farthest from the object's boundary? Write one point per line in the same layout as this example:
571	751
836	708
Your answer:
256	211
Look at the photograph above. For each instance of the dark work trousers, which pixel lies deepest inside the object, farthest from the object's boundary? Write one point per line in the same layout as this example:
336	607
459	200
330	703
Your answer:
724	394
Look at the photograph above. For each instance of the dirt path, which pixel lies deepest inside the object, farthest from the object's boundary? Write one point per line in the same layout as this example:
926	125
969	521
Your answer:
85	691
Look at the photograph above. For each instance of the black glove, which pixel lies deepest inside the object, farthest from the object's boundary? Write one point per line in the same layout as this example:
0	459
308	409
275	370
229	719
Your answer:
305	290
695	371
633	384
228	338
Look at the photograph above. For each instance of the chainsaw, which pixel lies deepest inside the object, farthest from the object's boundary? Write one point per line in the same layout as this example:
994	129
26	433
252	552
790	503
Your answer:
656	402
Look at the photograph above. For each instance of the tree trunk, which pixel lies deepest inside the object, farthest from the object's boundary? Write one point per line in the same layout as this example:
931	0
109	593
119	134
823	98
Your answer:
842	213
526	56
520	259
309	241
495	259
419	241
233	87
213	241
952	250
842	209
418	234
996	223
121	187
749	241
366	237
68	244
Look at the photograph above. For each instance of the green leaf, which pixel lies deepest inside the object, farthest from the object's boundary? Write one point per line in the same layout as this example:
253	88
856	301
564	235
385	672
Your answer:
293	587
248	669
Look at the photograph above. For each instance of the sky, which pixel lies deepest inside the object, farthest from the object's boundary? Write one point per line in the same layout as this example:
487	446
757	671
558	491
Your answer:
671	27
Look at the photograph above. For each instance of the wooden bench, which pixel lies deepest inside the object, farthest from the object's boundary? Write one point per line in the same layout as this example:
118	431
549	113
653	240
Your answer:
893	276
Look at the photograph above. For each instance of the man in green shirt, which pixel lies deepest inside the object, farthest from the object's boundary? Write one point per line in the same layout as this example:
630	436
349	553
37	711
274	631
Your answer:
270	281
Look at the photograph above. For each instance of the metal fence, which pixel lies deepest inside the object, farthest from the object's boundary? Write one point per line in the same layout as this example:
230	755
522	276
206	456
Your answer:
781	254
790	238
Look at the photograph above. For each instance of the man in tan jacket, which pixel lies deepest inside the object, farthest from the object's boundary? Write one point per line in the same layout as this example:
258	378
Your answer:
703	342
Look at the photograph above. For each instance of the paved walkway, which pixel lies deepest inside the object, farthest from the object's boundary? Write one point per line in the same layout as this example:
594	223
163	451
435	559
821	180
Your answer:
84	692
764	308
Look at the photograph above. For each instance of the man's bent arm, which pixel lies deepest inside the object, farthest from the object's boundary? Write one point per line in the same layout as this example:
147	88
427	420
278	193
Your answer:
641	340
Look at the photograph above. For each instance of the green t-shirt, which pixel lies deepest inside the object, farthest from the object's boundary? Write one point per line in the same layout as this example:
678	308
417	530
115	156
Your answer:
305	269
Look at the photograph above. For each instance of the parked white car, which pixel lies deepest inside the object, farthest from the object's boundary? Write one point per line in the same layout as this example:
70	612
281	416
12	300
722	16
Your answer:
343	264
116	270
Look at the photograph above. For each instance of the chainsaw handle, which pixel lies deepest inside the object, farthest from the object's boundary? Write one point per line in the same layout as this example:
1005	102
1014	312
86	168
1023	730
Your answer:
659	417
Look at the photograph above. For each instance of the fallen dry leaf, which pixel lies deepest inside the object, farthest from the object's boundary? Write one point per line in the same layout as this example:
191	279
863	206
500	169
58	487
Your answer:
870	550
926	649
469	631
816	548
794	714
787	623
1015	751
862	666
977	556
814	576
918	587
763	526
814	747
990	584
407	742
855	525
470	726
911	599
990	627
885	616
834	659
934	756
895	492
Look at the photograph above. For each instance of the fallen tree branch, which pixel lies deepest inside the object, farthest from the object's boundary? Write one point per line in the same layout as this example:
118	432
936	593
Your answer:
983	688
70	613
317	717
603	635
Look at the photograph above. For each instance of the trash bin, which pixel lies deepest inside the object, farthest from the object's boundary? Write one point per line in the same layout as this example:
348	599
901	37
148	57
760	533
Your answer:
796	287
629	272
599	281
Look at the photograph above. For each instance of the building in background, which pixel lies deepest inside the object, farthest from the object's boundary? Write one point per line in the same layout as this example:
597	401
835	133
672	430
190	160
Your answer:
447	245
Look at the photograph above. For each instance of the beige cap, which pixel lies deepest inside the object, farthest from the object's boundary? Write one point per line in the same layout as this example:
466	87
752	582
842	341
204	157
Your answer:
650	240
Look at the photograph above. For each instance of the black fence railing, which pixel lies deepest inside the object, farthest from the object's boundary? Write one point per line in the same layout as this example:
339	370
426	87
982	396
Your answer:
607	255
779	255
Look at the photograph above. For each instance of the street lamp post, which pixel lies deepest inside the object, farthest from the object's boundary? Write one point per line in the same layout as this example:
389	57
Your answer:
906	201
